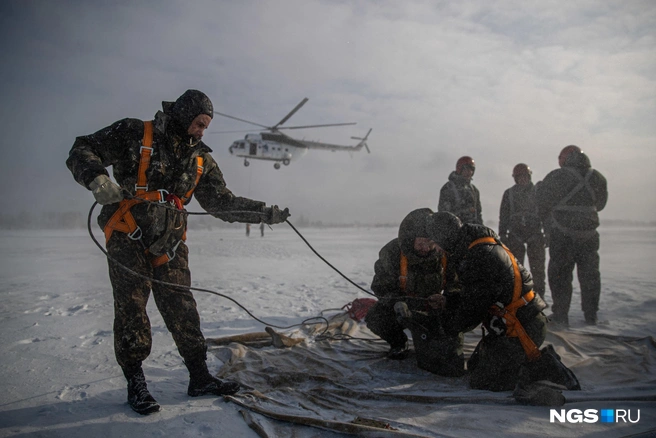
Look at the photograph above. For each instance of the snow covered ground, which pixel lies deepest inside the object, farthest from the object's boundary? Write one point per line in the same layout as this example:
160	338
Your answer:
58	376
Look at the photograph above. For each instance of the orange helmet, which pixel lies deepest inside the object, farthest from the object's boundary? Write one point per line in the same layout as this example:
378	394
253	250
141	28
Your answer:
521	169
465	161
566	152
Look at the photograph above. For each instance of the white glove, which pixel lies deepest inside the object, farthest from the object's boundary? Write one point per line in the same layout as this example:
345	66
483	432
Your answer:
105	190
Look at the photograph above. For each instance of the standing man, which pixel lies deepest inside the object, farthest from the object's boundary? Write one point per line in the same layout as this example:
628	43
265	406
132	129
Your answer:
158	166
459	196
408	270
569	200
520	226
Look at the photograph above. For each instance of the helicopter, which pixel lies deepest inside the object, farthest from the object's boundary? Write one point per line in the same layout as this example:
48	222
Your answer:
272	145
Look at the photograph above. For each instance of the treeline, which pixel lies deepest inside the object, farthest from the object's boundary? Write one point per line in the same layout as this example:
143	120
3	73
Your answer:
69	220
74	219
45	220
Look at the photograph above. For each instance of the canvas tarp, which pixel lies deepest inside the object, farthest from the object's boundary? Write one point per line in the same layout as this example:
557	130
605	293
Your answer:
340	382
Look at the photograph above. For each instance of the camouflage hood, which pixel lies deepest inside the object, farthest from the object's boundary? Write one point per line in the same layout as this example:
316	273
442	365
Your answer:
414	225
185	109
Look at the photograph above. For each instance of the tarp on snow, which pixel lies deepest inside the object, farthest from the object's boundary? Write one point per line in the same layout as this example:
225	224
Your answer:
342	382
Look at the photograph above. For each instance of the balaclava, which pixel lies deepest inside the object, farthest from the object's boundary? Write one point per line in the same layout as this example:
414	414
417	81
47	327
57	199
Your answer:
184	110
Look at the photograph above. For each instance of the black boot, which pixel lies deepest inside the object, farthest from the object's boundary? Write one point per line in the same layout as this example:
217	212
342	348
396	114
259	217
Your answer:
139	398
201	382
398	351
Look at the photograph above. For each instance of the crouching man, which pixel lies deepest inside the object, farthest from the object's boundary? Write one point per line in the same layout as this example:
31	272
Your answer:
409	270
496	291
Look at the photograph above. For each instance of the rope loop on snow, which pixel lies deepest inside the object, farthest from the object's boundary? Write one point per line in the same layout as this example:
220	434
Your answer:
164	283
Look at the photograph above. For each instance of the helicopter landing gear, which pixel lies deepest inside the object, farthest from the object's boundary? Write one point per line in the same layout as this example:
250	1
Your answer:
276	165
246	163
285	161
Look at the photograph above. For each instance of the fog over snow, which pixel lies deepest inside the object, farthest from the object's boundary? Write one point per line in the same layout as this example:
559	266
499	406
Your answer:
505	82
59	378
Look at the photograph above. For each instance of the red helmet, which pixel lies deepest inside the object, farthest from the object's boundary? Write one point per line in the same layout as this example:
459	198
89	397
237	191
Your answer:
521	169
465	161
566	152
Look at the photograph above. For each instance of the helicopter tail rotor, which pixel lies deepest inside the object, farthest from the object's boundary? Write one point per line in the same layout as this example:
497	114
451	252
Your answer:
363	141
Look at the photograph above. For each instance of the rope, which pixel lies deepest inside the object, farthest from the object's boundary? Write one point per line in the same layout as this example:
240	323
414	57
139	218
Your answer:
178	286
187	213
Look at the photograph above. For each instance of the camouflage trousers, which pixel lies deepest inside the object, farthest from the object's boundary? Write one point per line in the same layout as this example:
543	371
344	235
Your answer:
132	334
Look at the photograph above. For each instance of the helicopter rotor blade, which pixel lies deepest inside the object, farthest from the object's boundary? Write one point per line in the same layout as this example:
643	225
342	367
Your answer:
291	113
317	126
241	120
234	131
363	138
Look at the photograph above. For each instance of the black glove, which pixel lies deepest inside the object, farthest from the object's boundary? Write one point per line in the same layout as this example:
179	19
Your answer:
274	215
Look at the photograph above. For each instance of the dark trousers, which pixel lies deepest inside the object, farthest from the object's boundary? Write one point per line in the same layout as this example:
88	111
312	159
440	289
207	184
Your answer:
132	335
496	361
435	352
534	248
566	252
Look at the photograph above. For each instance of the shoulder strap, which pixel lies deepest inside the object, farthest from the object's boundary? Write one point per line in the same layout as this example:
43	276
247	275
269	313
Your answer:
199	173
517	289
511	200
403	273
509	311
583	183
146	151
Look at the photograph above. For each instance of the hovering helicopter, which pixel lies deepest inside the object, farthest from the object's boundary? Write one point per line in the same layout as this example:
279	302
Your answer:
281	148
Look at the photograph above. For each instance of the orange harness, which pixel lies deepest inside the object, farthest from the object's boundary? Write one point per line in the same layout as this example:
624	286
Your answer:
514	328
403	275
123	221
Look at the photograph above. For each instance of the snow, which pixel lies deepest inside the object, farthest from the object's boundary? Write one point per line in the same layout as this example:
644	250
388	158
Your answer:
58	375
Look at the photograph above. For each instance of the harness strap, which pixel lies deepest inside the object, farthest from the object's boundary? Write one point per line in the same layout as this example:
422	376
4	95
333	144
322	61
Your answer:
403	273
530	211
583	183
166	257
146	151
199	173
122	220
514	328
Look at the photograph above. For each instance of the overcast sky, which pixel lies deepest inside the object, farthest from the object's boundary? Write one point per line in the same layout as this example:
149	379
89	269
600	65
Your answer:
504	82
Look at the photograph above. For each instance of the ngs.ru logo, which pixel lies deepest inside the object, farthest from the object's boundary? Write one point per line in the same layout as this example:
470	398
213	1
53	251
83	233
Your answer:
593	416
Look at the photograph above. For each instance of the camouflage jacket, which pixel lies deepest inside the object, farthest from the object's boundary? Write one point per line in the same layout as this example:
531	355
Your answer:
424	278
461	197
172	168
518	214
